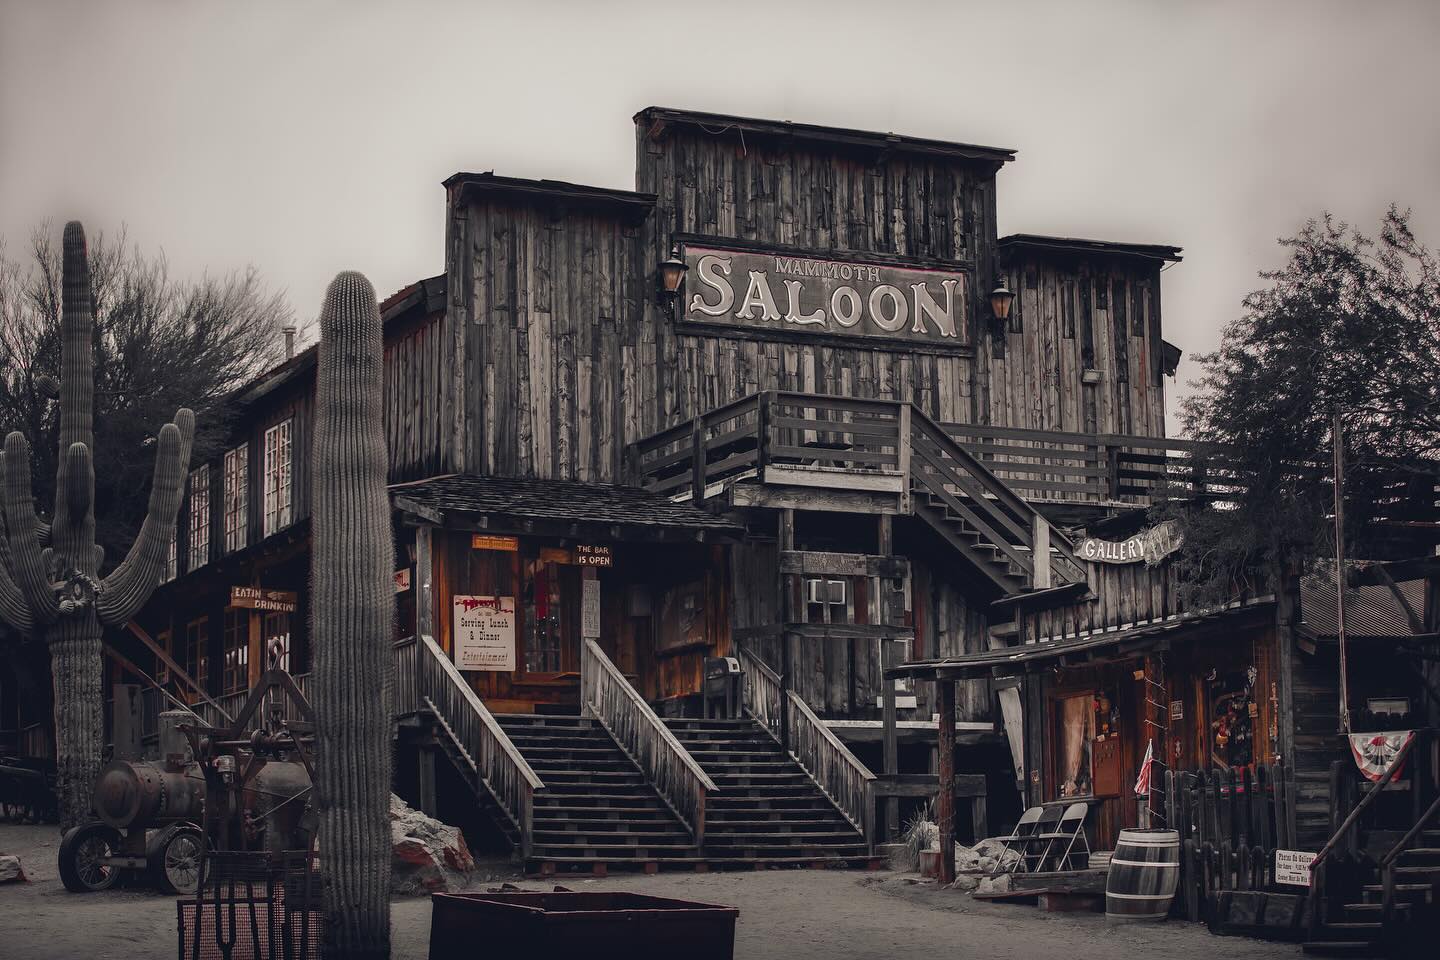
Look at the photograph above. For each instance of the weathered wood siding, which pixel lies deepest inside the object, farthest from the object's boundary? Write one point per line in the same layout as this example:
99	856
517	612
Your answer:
417	359
1125	593
1073	313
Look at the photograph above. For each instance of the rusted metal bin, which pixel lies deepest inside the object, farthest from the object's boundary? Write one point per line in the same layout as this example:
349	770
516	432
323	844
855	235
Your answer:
467	926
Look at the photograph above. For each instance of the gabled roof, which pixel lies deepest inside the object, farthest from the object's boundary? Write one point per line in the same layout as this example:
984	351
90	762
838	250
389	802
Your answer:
656	119
1074	245
517	505
553	195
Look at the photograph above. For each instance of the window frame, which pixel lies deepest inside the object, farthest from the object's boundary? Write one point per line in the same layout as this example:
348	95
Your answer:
198	552
278	479
235	470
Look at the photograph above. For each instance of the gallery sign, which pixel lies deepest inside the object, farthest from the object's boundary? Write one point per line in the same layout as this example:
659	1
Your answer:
484	633
1151	546
835	295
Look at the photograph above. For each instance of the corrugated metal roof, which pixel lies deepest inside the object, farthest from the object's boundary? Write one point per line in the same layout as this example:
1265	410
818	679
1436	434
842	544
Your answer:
1370	611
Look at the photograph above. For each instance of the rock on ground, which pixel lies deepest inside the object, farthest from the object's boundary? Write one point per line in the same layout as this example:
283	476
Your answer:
427	855
10	870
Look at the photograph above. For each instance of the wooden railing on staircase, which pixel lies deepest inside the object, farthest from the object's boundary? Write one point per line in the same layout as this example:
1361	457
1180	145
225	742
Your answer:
607	696
479	739
838	771
942	467
847	781
762	692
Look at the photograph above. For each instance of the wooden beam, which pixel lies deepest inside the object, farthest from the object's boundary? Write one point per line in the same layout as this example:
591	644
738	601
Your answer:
891	741
174	667
818	563
945	802
424	583
786	539
848	631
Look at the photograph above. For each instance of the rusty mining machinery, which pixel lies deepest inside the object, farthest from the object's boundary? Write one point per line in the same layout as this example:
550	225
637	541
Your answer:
243	787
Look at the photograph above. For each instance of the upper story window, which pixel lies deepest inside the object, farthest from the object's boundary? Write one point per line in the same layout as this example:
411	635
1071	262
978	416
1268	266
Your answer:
278	472
237	497
199	517
170	564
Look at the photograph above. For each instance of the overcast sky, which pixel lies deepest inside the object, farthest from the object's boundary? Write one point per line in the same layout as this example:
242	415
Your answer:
312	137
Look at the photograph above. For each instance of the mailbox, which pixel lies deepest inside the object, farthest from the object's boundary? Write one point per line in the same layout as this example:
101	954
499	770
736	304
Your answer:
722	687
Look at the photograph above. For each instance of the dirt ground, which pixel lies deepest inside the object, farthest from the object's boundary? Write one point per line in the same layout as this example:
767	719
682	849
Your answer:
794	915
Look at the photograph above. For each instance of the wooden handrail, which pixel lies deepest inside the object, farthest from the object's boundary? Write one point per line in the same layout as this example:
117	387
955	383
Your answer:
990	496
608	697
845	780
1364	804
481	741
762	690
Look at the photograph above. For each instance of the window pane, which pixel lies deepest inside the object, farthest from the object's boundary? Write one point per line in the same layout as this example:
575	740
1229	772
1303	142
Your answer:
1076	718
237	497
199	517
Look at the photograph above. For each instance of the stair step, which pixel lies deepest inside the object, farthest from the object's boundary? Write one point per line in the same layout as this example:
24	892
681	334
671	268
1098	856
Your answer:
548	838
588	850
617	814
1368	908
1340	948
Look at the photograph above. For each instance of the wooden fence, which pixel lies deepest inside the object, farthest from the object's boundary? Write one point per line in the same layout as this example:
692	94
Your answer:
607	696
1230	824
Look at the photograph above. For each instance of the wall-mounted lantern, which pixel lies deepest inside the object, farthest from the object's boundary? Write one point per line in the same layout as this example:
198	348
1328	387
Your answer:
1001	299
668	278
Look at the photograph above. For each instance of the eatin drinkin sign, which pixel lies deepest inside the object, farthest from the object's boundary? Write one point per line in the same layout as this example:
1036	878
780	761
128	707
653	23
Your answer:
843	296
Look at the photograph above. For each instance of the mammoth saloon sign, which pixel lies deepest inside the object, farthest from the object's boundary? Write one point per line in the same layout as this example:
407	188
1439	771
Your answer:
844	296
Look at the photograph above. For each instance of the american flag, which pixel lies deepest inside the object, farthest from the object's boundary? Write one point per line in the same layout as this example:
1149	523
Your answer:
1142	782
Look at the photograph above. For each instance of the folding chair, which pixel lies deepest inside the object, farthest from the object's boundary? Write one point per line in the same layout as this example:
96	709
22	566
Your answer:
1020	836
1069	829
1037	845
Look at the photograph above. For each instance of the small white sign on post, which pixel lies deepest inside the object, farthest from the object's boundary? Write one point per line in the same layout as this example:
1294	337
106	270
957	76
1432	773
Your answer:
590	608
484	629
1292	867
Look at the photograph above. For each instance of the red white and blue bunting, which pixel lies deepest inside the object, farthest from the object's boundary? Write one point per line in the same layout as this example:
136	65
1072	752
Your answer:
1375	752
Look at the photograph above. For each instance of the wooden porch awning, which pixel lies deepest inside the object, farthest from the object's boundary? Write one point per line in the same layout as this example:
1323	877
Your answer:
1107	645
556	507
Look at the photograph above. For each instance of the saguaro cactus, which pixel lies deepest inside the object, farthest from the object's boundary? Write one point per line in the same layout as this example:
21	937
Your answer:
352	608
51	584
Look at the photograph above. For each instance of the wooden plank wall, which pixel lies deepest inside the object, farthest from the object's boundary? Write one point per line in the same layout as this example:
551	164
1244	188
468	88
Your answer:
1072	313
1125	593
948	623
416	357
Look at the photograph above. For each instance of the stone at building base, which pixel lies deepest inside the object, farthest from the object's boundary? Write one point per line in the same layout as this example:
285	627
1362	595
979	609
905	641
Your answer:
10	871
427	856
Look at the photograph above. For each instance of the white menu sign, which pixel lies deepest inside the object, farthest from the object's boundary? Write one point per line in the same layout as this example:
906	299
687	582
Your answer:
590	609
1292	867
484	631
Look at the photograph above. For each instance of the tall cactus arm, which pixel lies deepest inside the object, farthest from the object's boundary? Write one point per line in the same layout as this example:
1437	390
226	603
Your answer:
77	370
30	574
13	608
130	584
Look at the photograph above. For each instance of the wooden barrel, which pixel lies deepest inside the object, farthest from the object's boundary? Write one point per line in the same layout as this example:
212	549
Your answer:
1144	872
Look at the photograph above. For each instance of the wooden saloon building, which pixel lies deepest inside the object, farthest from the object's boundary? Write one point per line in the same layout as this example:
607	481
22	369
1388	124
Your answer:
678	471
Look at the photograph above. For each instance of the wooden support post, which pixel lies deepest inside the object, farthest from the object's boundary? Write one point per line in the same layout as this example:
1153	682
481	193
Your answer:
1287	606
902	452
1040	552
945	743
424	606
891	742
787	542
425	756
697	461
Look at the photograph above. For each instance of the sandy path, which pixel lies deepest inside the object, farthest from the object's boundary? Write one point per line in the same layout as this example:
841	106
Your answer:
784	915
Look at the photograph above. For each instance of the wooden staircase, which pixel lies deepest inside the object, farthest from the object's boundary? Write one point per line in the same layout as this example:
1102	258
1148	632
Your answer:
1361	928
768	812
598	810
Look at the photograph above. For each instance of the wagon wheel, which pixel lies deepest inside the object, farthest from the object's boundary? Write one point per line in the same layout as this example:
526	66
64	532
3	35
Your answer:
175	864
81	853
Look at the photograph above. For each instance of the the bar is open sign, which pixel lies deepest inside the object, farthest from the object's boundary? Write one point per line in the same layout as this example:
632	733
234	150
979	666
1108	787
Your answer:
589	555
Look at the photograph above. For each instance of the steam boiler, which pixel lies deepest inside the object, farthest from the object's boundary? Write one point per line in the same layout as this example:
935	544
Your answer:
230	788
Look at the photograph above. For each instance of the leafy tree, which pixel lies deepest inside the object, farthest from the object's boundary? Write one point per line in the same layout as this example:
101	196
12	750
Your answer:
1350	324
160	344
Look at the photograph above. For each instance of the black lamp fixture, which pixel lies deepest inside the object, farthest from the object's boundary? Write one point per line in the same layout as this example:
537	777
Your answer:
668	277
1001	298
